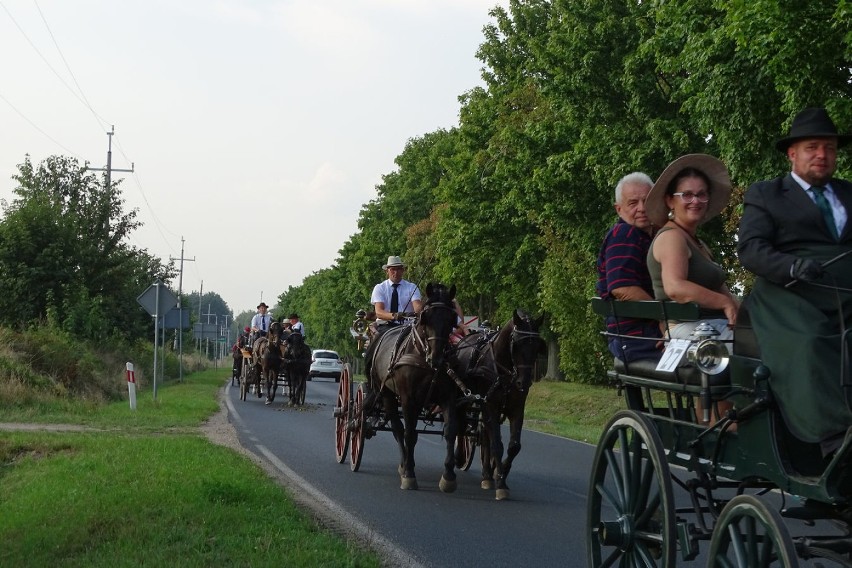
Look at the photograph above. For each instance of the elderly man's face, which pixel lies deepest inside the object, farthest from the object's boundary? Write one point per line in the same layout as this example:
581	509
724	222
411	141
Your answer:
631	208
814	159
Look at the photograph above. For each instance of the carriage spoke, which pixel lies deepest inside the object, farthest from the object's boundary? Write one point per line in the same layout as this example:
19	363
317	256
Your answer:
617	479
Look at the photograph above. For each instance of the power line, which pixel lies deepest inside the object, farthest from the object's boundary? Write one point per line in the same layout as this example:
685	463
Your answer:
100	119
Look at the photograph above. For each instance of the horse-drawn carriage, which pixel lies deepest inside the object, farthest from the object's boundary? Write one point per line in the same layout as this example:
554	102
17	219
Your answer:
278	359
427	386
757	493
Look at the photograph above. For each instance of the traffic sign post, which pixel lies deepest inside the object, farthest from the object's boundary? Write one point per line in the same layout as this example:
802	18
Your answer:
157	300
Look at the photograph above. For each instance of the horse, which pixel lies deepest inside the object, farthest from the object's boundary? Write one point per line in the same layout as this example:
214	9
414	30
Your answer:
499	368
297	361
407	372
266	356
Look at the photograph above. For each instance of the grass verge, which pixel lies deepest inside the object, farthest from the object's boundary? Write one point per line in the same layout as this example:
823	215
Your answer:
147	488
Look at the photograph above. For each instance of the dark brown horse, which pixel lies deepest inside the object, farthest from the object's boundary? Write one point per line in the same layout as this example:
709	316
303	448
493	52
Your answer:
268	354
408	373
297	363
499	368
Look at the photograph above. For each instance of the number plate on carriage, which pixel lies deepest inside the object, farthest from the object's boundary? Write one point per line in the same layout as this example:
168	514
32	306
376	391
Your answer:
675	350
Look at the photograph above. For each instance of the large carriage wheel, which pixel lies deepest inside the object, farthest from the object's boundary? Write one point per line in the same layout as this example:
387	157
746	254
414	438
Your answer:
748	534
244	379
356	435
631	516
342	414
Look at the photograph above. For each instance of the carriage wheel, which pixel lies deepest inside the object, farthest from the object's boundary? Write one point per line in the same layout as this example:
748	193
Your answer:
342	414
750	534
631	516
356	435
244	379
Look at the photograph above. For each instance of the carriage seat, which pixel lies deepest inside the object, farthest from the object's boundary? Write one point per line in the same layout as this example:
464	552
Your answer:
686	373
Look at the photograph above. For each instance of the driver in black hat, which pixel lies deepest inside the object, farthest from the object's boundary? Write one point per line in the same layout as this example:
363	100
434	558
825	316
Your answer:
790	227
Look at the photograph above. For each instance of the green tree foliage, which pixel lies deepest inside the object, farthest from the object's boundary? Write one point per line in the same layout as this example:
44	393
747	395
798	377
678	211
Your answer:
512	205
64	254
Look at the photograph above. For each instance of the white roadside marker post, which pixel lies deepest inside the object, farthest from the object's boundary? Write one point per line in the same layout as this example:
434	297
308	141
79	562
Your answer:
131	385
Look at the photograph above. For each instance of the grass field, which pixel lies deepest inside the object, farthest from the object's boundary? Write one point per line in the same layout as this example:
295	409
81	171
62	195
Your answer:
147	488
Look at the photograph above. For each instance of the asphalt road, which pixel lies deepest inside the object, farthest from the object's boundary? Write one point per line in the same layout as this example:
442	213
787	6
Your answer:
543	524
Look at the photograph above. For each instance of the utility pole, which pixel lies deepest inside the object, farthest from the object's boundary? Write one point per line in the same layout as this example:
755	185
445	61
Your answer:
179	339
225	330
200	295
109	169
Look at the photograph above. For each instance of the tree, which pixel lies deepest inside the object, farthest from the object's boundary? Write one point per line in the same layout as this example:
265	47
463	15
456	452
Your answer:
64	254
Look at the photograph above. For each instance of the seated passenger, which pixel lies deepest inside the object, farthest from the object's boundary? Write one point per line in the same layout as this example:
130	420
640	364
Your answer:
691	190
623	272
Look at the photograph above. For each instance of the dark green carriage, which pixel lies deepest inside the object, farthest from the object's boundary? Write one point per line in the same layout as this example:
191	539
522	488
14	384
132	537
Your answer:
725	470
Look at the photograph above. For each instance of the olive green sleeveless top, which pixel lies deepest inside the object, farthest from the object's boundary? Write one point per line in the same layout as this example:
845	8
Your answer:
701	269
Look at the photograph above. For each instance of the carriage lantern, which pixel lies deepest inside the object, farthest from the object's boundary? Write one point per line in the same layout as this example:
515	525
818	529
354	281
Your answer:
706	352
710	356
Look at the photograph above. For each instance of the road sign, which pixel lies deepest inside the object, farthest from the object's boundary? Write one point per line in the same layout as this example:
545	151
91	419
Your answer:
157	299
205	331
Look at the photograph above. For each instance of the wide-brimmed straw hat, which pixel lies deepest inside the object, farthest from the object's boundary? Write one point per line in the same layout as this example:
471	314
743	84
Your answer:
720	187
812	123
393	261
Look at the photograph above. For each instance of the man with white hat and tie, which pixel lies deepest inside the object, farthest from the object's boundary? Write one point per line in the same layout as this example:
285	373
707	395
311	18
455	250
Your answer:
392	300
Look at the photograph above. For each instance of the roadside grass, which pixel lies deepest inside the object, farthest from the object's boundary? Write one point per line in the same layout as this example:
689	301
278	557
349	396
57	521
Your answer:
146	487
149	489
571	410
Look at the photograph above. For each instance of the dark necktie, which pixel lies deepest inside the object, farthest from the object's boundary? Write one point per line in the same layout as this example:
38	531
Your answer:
263	323
825	209
394	307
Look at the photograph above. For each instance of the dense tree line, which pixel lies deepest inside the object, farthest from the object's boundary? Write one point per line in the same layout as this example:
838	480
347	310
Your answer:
511	205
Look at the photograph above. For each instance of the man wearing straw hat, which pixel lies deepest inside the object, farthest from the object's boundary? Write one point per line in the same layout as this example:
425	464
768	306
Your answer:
395	297
392	300
792	234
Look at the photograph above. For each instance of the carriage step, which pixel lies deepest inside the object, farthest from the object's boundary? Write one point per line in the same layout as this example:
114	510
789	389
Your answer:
337	412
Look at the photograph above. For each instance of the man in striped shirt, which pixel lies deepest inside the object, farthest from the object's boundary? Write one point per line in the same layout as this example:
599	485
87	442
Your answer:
623	272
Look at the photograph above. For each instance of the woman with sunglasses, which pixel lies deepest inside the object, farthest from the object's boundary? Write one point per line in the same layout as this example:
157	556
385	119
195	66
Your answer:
692	190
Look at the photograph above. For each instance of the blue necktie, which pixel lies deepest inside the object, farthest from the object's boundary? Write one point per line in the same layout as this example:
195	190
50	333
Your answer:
825	209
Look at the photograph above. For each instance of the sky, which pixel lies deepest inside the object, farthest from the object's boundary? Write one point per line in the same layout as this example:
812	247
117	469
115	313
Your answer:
246	122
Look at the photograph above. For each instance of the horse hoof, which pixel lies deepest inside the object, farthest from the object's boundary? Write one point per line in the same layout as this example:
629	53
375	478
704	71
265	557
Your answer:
268	402
502	494
447	485
408	483
487	484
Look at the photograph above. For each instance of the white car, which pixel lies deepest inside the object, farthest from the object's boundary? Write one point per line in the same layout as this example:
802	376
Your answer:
325	363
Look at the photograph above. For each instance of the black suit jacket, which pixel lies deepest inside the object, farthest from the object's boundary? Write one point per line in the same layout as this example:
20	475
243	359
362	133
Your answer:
779	219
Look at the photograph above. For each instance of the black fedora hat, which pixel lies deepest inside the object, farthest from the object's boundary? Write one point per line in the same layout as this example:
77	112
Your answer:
812	122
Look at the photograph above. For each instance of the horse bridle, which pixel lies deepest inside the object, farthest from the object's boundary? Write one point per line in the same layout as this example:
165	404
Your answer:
517	337
424	344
